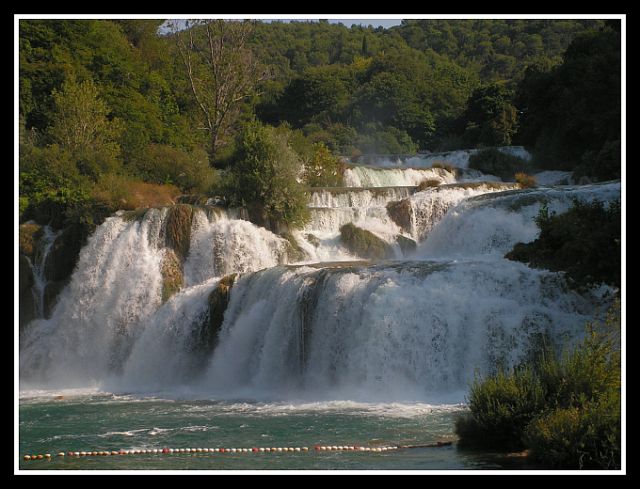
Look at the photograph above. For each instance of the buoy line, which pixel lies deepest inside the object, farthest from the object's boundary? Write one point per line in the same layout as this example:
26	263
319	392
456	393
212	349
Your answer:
180	451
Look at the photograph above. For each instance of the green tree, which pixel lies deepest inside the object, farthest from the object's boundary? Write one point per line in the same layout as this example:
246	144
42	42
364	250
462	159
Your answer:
82	128
264	176
491	119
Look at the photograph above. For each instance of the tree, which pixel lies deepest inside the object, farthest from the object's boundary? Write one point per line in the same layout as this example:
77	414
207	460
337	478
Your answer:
82	128
490	117
264	176
222	72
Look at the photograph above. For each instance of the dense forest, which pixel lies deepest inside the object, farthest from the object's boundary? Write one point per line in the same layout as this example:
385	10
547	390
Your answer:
114	115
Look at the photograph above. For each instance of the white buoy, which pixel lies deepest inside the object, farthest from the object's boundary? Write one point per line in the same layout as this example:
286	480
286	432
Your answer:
27	458
60	454
261	449
297	449
216	450
305	449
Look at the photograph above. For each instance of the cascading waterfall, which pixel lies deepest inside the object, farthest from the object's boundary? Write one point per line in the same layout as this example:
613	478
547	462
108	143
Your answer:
221	245
38	267
493	223
117	283
397	330
362	176
411	330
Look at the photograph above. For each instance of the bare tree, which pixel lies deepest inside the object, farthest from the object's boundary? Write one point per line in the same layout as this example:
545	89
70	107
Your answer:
221	69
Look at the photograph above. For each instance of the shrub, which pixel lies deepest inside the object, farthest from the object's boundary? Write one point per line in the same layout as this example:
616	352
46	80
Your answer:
162	164
525	181
565	408
586	437
584	242
119	192
264	176
428	183
497	163
364	243
501	406
323	169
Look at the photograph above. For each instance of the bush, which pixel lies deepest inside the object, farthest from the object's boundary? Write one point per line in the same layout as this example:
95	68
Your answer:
264	176
525	181
565	408
497	163
323	169
428	183
117	192
162	164
584	242
501	406
364	243
586	437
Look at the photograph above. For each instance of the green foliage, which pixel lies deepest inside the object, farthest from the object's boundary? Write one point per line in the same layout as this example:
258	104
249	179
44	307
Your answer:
490	117
565	408
584	242
571	111
323	169
189	171
264	176
502	406
364	243
495	162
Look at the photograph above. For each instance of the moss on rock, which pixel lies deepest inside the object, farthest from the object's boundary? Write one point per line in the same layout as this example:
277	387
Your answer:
364	243
407	245
178	229
400	212
28	237
218	301
134	215
172	278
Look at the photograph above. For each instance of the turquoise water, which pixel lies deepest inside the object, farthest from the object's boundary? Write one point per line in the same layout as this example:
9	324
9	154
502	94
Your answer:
94	422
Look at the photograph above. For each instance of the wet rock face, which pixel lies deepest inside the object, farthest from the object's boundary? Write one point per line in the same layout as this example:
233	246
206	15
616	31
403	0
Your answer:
27	309
178	229
407	245
172	276
364	243
218	301
29	235
64	252
400	212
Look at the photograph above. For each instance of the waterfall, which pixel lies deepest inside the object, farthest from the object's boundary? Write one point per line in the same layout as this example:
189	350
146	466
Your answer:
406	331
221	245
492	223
361	176
416	327
39	277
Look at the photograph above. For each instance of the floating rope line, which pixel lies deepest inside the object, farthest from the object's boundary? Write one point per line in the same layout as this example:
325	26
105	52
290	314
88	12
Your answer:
180	451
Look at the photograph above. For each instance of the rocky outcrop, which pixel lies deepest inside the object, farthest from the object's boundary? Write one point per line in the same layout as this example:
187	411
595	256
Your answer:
400	212
407	245
218	301
172	277
178	229
64	253
27	308
364	243
28	237
50	297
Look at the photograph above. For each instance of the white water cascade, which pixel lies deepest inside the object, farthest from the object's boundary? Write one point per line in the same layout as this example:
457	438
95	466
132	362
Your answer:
415	328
